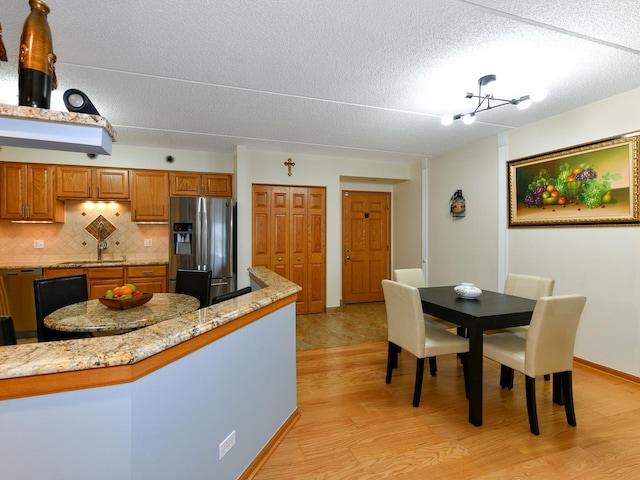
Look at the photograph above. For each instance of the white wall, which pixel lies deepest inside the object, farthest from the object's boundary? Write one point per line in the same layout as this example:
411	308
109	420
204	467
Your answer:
464	249
407	214
311	170
125	156
600	262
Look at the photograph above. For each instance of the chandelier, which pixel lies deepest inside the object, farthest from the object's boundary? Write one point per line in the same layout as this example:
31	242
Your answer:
489	102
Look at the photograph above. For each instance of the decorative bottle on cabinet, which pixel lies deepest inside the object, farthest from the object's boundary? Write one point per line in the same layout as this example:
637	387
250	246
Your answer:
35	69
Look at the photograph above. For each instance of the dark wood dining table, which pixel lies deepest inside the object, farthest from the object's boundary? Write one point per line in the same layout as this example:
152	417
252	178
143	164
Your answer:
489	311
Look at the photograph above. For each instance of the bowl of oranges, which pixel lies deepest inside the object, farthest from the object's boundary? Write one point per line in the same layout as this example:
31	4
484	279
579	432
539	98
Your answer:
125	296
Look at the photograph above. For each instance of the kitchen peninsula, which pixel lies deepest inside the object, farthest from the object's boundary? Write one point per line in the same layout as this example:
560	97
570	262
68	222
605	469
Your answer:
156	402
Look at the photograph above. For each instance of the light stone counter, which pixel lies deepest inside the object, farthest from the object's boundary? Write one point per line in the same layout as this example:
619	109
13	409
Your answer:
47	115
82	263
127	349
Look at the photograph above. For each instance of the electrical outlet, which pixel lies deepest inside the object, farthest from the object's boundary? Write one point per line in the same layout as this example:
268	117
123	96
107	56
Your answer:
148	242
38	244
227	444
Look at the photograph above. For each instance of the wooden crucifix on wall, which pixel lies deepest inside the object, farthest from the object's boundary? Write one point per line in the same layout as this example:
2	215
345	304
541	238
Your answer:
289	164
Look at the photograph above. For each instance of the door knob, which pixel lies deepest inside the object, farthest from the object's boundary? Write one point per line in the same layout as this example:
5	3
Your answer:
348	257
279	259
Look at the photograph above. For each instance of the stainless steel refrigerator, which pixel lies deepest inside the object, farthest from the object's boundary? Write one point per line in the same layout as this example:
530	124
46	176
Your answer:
202	237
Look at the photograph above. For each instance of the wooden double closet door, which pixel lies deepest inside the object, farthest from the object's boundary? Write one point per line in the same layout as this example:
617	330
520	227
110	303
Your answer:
288	237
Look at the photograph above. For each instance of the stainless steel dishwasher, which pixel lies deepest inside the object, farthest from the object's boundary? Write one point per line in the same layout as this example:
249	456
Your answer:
18	286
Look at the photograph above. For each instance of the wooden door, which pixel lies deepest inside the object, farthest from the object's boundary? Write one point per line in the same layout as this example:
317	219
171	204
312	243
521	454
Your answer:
280	228
289	238
366	245
316	258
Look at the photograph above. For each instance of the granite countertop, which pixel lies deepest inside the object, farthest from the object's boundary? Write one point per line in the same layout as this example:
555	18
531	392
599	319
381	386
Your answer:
126	349
83	263
47	115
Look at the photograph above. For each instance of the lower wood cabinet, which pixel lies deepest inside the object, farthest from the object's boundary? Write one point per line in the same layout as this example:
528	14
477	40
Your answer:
148	278
101	279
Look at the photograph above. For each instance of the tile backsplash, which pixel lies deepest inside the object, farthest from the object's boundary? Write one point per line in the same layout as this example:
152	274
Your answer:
73	241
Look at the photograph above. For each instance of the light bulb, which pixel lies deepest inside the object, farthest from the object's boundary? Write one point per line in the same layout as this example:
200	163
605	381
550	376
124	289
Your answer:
539	94
469	118
447	119
524	104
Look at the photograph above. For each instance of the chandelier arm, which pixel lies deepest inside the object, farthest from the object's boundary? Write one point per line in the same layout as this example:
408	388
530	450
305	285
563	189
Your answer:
488	98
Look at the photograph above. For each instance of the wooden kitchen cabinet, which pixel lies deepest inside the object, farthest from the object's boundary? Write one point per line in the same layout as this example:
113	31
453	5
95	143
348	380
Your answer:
148	278
62	272
92	183
101	279
149	196
27	193
191	184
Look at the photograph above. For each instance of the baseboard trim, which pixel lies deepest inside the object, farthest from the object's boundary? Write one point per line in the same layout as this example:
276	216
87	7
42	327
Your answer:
610	371
270	447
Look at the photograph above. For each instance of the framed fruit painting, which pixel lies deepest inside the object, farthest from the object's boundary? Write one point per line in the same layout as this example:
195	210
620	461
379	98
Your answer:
590	184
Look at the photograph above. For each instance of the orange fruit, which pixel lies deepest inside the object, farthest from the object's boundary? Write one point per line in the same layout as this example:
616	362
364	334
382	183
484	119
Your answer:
123	290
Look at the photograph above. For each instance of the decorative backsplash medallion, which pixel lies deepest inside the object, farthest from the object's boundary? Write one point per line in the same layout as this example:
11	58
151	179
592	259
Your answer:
92	228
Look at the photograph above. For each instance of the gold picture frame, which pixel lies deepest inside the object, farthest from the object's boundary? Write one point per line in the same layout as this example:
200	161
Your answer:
590	184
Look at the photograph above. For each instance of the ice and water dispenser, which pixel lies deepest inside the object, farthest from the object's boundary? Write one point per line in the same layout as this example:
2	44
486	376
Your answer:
183	238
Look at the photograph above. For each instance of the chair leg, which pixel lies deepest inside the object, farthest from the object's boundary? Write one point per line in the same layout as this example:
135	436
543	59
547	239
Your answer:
392	360
558	397
530	387
418	387
433	366
506	377
567	392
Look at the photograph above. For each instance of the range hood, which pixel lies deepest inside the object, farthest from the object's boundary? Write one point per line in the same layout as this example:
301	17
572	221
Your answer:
53	130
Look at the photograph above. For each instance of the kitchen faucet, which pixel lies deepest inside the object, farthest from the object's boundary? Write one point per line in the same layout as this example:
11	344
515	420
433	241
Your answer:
102	239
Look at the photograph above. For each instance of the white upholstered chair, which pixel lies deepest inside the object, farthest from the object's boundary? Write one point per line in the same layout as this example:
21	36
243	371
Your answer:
415	278
527	286
407	330
546	349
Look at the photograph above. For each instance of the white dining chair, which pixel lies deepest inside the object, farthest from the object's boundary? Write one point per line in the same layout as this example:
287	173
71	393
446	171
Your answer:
547	349
527	286
415	278
407	330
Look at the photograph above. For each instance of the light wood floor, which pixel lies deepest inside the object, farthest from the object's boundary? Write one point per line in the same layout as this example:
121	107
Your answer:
354	426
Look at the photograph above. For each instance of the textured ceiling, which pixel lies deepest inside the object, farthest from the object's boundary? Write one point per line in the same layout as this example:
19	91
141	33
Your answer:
362	78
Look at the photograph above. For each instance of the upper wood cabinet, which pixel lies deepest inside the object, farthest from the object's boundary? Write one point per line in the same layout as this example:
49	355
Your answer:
149	196
92	183
190	184
27	193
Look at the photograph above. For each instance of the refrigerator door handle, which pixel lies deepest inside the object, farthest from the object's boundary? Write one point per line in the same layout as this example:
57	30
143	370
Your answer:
204	218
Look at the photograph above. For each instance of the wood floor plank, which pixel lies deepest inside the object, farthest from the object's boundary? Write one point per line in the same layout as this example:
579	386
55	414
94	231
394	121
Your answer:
355	426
